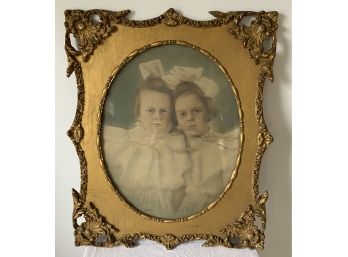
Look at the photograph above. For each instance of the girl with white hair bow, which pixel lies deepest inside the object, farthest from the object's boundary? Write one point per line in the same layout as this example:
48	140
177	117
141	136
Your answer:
146	165
213	156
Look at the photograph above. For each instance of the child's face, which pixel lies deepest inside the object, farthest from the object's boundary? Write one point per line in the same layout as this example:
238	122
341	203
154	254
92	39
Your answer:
154	111
192	115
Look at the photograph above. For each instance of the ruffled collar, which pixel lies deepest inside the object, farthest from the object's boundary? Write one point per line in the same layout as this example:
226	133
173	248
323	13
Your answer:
222	141
139	135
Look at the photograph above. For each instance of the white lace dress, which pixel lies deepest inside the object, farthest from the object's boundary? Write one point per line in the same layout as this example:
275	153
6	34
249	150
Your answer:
146	169
213	158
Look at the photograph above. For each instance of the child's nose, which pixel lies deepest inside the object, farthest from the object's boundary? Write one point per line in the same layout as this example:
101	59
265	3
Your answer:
190	116
157	115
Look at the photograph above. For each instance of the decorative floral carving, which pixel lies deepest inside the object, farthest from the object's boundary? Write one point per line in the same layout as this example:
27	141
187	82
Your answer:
240	234
264	138
261	208
261	29
264	27
90	28
169	241
76	133
244	232
215	241
90	33
128	241
88	232
172	18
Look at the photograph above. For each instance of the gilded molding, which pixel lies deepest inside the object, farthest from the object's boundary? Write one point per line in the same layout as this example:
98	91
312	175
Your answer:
76	131
244	232
90	28
172	18
240	234
262	28
90	32
94	228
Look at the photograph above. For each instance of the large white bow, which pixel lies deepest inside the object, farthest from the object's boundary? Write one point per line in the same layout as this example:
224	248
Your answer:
153	68
179	74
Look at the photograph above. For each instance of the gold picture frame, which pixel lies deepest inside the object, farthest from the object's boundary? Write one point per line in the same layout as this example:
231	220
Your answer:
108	44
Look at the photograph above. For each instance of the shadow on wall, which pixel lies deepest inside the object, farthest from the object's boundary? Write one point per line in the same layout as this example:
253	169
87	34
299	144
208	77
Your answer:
275	173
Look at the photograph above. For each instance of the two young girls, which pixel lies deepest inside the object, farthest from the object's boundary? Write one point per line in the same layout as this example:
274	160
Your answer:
170	164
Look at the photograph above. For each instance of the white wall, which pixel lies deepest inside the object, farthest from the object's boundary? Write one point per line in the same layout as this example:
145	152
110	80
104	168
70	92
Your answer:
275	171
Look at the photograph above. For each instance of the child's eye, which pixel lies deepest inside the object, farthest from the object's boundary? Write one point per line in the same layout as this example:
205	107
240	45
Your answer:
182	114
197	110
163	110
151	110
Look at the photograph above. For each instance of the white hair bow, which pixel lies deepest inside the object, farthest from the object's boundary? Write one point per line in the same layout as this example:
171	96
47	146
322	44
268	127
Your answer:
179	74
182	73
153	68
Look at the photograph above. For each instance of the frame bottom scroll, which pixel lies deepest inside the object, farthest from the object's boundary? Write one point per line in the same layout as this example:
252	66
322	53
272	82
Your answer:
97	232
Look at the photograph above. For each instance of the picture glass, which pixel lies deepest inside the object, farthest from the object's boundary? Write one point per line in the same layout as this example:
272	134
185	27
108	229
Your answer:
170	131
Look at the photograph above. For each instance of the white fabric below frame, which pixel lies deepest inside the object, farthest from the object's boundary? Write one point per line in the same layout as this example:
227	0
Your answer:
148	248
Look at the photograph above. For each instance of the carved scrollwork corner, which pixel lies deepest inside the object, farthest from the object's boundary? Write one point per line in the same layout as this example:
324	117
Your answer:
90	28
94	230
245	232
262	28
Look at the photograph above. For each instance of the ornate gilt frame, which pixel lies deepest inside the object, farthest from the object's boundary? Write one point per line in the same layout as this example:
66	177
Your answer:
246	216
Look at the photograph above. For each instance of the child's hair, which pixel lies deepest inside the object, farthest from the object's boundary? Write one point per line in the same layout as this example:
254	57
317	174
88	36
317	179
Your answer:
188	88
153	84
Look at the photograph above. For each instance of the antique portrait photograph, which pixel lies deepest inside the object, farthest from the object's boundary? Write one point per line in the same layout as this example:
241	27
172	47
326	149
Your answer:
171	131
165	131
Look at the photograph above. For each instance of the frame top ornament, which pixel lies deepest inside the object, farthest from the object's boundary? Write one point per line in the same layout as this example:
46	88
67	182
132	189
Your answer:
90	32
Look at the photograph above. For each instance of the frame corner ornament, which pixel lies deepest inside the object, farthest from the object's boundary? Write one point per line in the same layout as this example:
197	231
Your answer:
244	233
94	230
90	28
262	28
